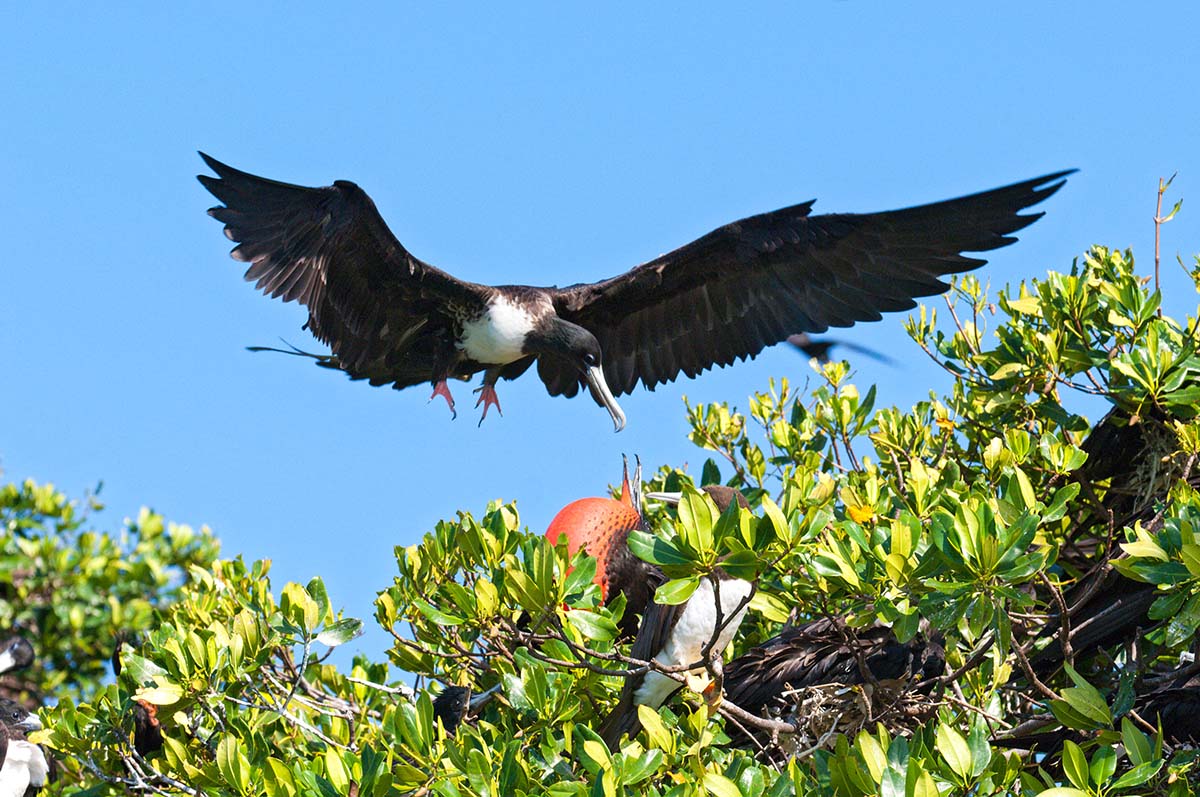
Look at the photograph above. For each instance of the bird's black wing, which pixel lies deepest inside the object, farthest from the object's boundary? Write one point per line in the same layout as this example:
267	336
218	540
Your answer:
329	249
750	284
652	635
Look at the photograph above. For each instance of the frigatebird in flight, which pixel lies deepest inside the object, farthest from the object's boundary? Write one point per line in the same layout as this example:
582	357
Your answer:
391	318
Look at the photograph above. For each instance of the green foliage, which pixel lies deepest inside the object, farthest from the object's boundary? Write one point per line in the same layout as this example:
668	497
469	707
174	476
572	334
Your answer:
967	517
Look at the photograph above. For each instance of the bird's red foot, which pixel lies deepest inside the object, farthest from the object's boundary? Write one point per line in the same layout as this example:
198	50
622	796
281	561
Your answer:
487	397
443	390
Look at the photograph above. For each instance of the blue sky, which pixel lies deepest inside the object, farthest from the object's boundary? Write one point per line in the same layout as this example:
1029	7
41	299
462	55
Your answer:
546	144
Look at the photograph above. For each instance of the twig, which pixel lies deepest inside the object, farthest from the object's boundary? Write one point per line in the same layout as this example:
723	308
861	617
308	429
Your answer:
1029	673
1064	618
744	717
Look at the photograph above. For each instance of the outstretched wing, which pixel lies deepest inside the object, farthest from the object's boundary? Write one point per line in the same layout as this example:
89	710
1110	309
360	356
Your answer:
329	249
750	284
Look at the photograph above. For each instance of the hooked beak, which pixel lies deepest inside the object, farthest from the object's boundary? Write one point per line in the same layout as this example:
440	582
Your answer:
30	724
666	498
601	393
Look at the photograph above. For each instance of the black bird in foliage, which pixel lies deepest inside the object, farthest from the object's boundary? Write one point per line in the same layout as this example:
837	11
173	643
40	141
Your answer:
826	651
455	705
1172	702
147	728
391	318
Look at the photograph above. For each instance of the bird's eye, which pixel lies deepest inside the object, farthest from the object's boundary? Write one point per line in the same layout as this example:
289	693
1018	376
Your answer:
590	360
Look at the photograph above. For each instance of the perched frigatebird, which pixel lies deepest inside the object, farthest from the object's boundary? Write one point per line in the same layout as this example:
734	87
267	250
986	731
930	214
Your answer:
25	767
391	318
680	635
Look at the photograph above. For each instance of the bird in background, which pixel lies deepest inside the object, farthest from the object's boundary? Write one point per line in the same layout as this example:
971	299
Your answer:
25	769
391	318
16	653
147	728
819	349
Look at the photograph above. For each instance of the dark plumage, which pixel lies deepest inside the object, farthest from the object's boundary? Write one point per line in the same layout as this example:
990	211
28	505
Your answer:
147	730
393	319
826	651
450	706
1105	609
1174	704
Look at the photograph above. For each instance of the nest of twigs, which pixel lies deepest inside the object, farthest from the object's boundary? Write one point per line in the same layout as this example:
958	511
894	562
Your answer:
821	712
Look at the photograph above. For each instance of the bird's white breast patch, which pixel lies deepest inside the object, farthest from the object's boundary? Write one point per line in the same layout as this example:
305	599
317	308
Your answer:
692	631
497	336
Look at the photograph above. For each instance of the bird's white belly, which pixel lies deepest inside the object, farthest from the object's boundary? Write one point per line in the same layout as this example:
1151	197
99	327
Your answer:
691	633
497	337
24	766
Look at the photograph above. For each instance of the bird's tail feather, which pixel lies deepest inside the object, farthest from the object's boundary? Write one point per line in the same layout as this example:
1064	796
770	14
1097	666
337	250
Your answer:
623	720
323	360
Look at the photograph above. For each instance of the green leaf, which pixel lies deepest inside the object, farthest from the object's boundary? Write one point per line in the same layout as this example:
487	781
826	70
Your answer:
769	606
1104	764
1085	700
659	736
1137	744
720	786
955	750
164	694
232	763
676	591
436	615
335	770
1063	791
1075	764
341	632
655	550
1138	774
316	590
592	625
298	606
773	513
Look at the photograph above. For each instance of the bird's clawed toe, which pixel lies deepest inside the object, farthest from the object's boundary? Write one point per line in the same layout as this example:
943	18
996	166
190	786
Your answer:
442	389
488	398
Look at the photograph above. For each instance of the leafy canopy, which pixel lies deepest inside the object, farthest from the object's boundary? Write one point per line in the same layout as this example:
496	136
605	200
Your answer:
968	517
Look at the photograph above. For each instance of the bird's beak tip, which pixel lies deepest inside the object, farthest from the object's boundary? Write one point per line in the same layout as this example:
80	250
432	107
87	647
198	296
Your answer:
600	391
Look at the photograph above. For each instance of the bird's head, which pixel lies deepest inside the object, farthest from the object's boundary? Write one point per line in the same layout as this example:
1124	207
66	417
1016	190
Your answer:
570	342
15	654
16	717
